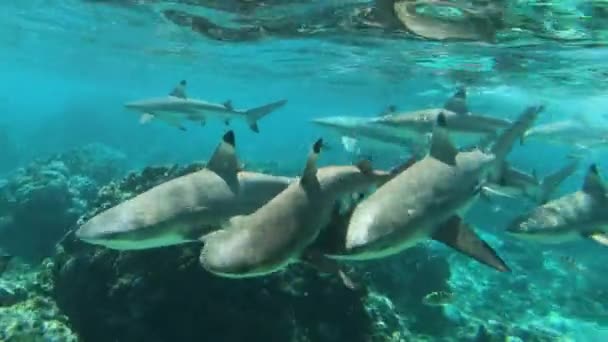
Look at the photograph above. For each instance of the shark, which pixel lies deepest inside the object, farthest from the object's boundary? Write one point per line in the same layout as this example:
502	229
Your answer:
185	208
278	234
507	180
422	202
580	215
176	107
411	130
456	113
578	133
361	134
474	26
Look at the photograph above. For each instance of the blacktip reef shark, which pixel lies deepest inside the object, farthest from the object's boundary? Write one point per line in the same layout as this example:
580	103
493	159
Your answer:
184	209
423	202
360	133
458	117
412	129
475	25
278	233
578	215
506	180
177	107
577	133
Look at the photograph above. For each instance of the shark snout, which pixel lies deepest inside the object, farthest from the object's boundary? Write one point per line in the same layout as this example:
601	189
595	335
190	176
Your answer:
358	233
328	122
133	105
87	233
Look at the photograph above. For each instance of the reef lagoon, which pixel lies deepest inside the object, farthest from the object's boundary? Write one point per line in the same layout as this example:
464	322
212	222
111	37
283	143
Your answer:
301	170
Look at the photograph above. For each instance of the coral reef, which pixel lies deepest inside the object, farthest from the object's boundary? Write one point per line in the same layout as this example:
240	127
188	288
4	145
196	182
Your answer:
164	294
41	202
27	311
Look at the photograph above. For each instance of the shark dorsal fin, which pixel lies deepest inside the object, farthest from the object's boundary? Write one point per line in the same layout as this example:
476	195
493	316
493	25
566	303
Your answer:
442	148
310	170
458	102
593	182
224	161
179	90
365	166
228	105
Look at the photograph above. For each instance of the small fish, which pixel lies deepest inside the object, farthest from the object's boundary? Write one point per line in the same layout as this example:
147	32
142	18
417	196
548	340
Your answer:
438	298
569	261
5	259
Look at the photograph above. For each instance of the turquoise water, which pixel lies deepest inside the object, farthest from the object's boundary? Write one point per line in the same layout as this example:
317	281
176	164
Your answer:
69	67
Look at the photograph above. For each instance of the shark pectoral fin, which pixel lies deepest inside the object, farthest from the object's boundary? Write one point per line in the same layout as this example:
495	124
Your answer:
224	161
349	144
601	238
442	148
145	118
171	120
179	90
228	105
461	237
255	114
309	175
550	183
593	184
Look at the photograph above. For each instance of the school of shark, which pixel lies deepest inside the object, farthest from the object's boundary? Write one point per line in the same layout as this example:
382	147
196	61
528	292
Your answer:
252	224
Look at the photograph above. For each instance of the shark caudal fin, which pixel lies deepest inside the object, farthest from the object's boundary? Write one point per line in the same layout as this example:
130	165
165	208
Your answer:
505	141
550	183
255	114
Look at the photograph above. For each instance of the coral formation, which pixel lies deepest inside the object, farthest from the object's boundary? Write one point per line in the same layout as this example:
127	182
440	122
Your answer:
27	312
164	294
41	202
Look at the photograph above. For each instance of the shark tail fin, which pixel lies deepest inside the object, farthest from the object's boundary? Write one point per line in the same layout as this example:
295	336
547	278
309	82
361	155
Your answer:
505	141
551	182
255	114
456	234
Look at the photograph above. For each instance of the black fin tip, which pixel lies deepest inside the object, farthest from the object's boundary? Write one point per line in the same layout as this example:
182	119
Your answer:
441	120
229	138
317	146
593	168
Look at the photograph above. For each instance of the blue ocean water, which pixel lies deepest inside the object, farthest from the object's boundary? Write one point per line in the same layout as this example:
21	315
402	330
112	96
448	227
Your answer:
69	67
